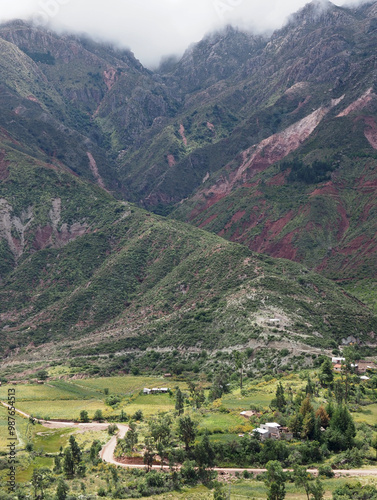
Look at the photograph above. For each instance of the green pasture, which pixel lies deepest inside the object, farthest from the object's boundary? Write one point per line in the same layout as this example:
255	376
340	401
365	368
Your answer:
51	391
50	440
368	414
85	439
261	392
223	438
24	475
226	422
240	489
237	401
251	488
63	409
126	385
150	404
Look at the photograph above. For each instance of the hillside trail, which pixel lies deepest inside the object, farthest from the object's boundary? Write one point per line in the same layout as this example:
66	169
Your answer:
107	451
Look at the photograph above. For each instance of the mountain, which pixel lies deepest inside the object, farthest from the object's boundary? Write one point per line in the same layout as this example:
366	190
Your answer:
85	274
267	141
304	189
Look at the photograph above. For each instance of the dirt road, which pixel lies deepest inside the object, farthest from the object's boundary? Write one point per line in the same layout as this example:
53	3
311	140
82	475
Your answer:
107	451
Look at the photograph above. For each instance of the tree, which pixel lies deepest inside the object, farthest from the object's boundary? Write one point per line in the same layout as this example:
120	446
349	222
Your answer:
57	465
112	429
302	479
308	425
339	392
131	437
340	435
219	493
179	401
322	414
280	401
275	479
310	386
306	406
219	386
204	453
68	463
138	415
84	416
295	424
188	471
196	394
317	490
94	452
75	450
62	490
40	479
160	429
149	454
326	374
187	430
98	417
42	375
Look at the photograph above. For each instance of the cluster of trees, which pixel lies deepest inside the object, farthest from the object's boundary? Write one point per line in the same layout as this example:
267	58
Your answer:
331	425
318	171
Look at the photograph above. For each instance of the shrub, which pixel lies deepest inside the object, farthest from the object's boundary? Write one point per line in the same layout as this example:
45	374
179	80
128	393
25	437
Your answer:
325	471
101	492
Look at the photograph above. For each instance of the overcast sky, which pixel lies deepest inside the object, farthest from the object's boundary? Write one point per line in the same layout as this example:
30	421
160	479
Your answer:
154	28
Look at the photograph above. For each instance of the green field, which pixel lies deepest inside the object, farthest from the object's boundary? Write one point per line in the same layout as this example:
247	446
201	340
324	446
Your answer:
50	440
24	475
368	415
21	429
256	490
63	409
65	400
226	422
51	391
150	404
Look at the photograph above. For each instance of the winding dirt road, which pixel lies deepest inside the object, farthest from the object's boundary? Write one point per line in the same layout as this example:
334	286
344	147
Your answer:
107	451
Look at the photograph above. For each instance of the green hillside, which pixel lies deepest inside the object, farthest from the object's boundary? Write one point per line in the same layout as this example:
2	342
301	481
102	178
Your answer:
274	153
76	264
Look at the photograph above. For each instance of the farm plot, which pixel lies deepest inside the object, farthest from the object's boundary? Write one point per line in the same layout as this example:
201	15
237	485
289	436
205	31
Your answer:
63	409
151	404
122	385
51	391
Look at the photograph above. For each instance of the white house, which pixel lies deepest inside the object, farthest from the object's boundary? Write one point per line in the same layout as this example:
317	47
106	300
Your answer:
273	430
157	390
264	434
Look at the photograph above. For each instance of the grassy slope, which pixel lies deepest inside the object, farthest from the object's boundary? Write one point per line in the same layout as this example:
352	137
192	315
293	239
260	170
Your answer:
140	280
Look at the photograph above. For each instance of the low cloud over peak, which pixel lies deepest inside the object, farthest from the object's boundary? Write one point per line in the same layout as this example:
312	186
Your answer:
155	28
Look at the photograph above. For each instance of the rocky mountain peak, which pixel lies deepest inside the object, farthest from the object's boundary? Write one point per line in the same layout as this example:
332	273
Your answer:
320	12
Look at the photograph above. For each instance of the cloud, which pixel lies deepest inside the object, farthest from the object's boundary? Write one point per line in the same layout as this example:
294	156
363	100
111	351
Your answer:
154	28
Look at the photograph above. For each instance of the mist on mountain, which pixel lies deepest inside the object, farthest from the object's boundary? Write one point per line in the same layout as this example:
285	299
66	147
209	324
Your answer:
154	29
